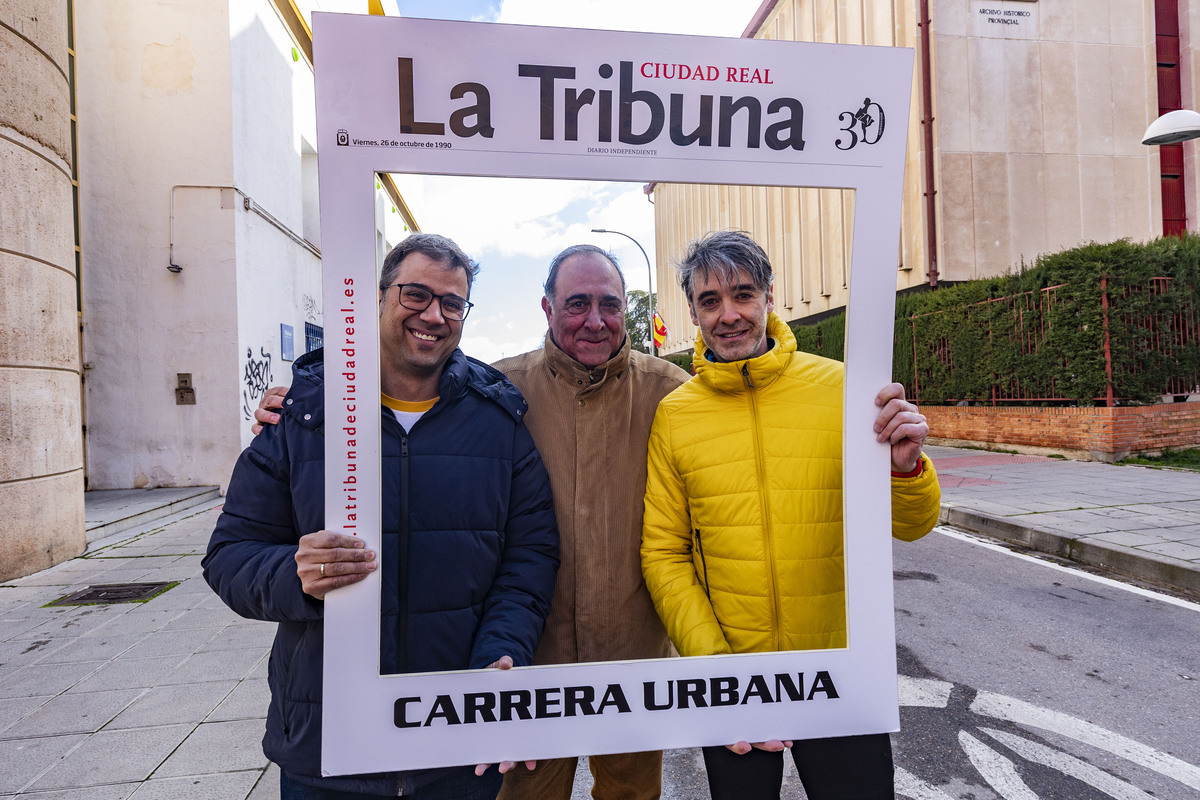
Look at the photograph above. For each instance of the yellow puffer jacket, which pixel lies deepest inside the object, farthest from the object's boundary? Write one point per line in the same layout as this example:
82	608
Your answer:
742	545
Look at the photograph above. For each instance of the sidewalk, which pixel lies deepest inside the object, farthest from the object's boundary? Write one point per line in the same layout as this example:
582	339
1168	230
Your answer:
167	698
1141	522
156	700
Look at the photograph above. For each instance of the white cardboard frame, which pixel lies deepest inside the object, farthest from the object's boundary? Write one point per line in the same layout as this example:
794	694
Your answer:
359	85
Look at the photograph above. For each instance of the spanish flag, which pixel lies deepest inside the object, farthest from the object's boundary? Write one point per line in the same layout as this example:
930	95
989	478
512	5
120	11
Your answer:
660	330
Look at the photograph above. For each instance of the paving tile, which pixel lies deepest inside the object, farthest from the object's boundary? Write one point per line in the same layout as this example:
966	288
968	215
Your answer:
14	708
73	712
72	621
1172	534
19	652
174	599
216	665
1070	524
1180	550
19	604
261	670
1192	527
130	673
50	577
162	574
248	700
221	786
244	634
113	791
118	756
203	618
96	646
213	601
1128	538
135	548
235	745
142	620
170	643
146	562
48	679
195	588
170	705
1103	520
267	787
22	760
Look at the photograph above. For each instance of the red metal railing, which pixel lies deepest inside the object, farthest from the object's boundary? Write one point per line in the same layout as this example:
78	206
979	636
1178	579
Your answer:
1158	337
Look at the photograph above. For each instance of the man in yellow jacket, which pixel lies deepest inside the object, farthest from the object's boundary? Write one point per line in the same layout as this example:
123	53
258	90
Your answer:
742	545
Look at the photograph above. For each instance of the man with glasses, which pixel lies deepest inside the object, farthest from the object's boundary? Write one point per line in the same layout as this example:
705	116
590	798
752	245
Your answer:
592	401
470	546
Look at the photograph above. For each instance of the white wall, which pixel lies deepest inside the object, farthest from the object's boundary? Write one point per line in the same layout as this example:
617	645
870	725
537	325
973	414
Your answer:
154	112
274	124
213	99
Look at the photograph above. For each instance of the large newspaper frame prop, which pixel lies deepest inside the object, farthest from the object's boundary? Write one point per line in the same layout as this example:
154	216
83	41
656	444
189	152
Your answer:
457	98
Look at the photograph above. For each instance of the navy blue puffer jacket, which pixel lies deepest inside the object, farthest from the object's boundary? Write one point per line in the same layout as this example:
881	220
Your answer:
470	548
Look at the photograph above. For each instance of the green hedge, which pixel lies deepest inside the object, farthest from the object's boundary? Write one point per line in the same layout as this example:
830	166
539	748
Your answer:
1039	333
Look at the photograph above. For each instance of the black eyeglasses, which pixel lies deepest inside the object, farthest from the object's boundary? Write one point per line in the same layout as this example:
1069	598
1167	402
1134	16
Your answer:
416	297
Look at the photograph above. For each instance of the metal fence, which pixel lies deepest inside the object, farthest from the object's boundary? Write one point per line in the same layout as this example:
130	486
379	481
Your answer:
1153	335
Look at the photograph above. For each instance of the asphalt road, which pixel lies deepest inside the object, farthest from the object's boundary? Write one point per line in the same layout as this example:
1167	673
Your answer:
1022	680
1056	685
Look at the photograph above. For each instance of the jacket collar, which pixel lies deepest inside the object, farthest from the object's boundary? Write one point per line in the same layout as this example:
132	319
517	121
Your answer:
567	369
758	372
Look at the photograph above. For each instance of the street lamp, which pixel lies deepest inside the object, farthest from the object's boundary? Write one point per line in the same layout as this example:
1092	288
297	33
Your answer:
1172	127
650	284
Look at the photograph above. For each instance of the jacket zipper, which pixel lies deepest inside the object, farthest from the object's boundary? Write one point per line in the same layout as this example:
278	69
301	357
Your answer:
402	556
703	564
765	506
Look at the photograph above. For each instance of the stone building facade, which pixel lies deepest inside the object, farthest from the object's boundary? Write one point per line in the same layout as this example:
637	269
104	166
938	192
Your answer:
159	245
1024	138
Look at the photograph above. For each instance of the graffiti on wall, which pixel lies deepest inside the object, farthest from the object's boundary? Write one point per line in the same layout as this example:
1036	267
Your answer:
256	378
310	309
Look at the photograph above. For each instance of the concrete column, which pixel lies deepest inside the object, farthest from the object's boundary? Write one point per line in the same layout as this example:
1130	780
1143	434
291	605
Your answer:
41	447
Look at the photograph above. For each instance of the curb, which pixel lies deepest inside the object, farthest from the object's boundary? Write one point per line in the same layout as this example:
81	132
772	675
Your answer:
1162	571
189	497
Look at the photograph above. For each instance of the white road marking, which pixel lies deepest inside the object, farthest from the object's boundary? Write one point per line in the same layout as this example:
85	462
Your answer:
923	692
1069	765
1000	548
998	771
1022	713
909	785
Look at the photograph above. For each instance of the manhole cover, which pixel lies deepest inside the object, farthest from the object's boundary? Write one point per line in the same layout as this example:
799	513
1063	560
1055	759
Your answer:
108	593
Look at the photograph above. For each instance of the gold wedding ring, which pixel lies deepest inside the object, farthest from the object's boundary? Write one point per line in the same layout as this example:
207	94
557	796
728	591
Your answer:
322	569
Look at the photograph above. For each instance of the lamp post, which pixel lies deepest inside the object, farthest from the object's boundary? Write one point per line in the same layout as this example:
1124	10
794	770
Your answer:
1172	127
649	285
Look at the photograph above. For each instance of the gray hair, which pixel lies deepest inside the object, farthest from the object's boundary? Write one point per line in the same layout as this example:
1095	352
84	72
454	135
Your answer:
436	248
724	253
556	263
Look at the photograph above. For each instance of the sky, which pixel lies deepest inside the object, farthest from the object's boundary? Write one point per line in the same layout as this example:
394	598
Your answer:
514	227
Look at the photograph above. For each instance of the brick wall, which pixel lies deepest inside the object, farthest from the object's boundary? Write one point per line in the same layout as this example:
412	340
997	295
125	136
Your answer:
1105	434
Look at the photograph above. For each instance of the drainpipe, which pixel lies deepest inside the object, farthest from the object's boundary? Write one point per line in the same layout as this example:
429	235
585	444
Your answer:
927	124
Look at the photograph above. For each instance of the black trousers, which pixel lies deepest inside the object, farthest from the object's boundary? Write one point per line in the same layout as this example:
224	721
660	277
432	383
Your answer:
841	768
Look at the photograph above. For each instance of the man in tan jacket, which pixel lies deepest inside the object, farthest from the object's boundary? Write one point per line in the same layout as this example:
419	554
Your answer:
591	403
